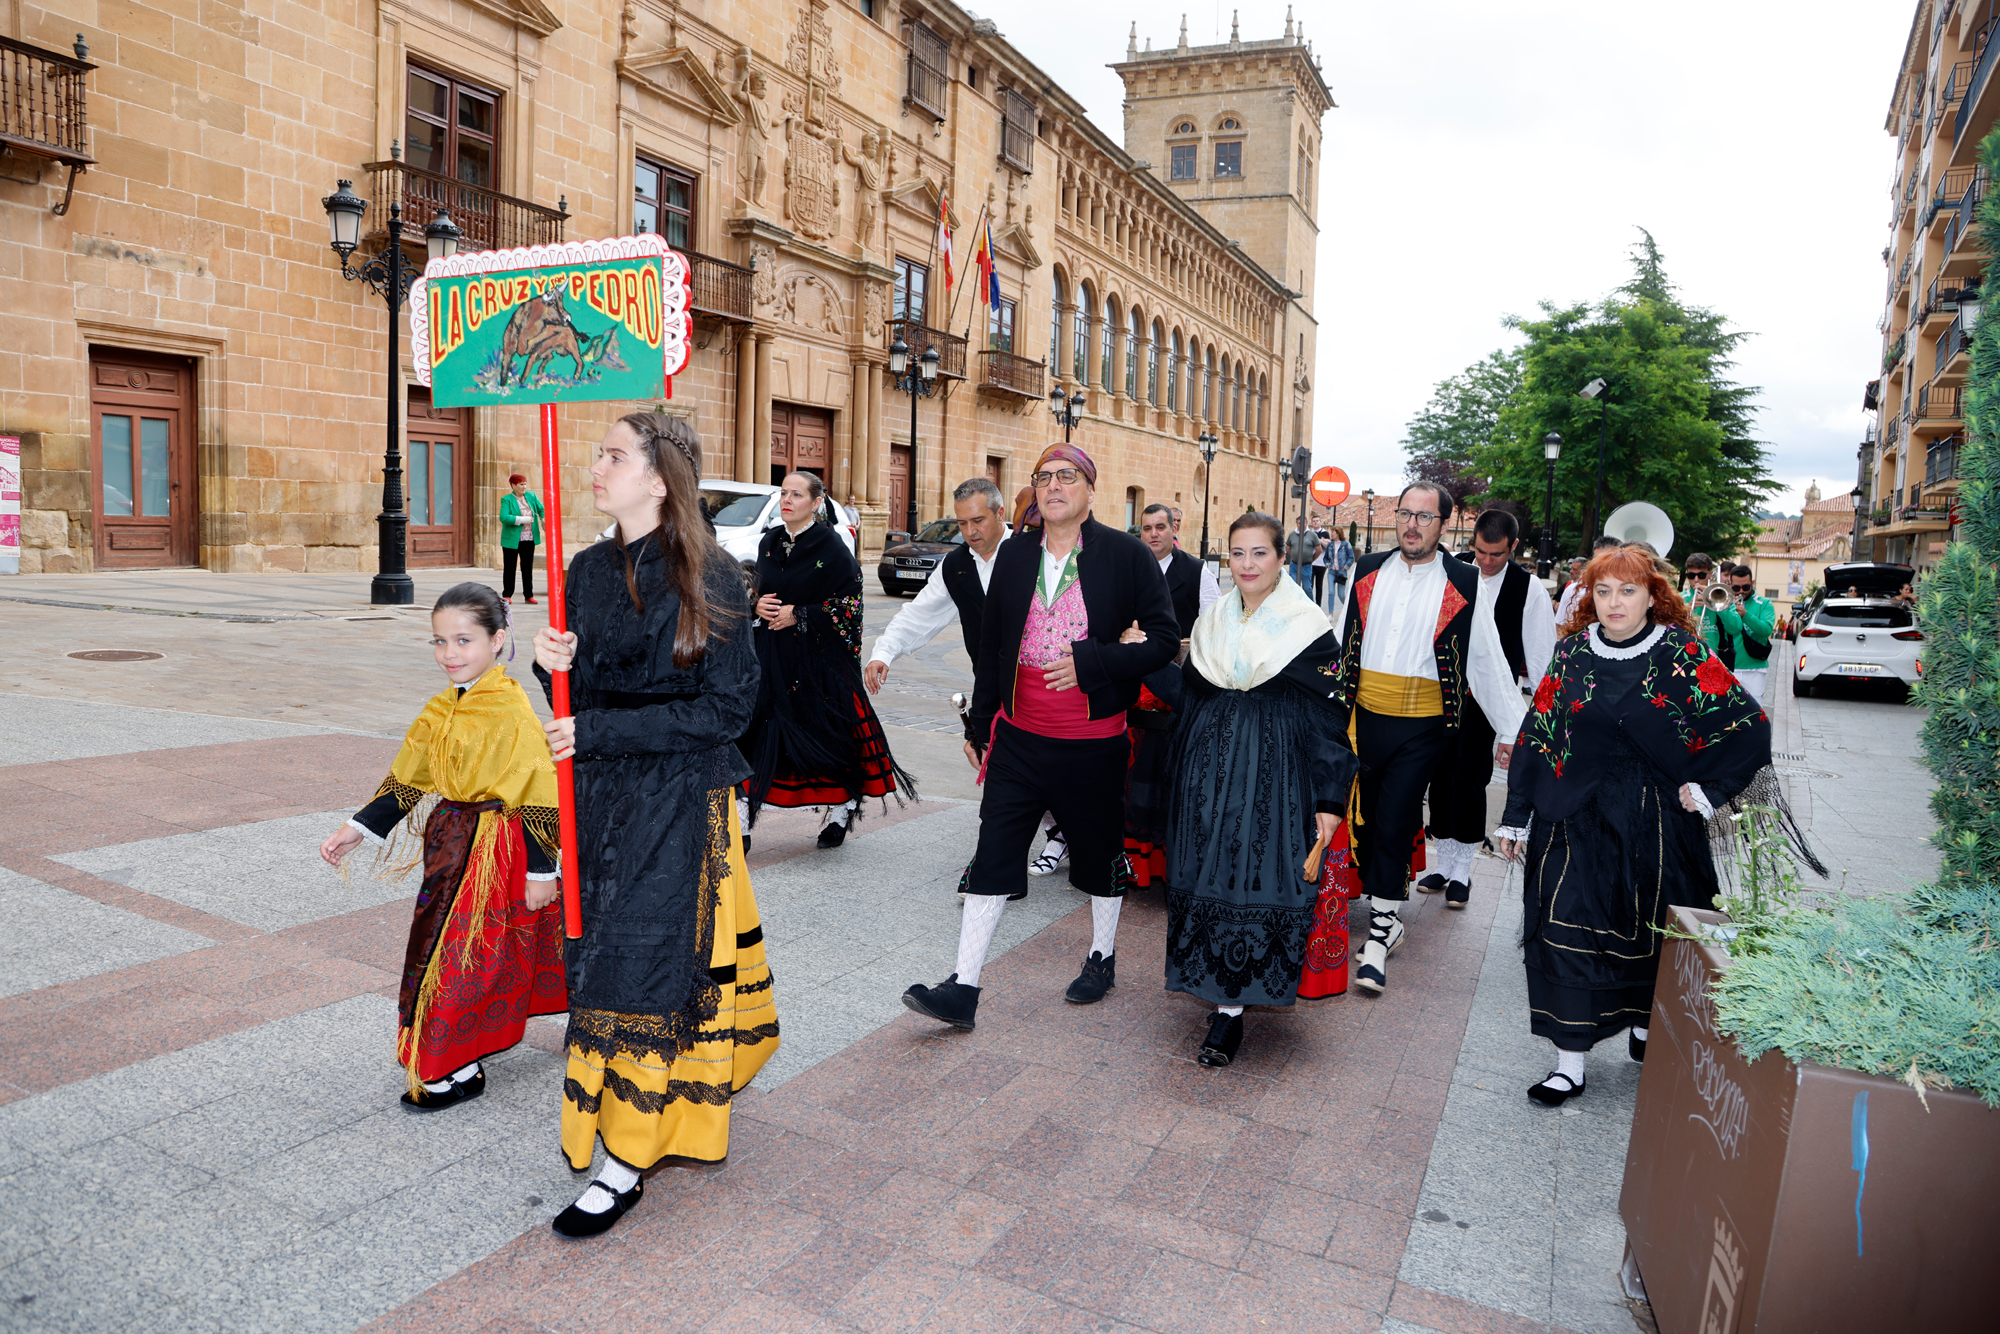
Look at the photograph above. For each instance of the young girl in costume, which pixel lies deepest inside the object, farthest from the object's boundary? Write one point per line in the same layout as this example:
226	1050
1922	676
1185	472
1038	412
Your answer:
486	947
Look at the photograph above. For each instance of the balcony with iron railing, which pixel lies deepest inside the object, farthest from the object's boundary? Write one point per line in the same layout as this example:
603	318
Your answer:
920	339
1017	144
929	58
1894	356
1951	354
1986	49
719	289
487	219
1942	296
1010	373
43	106
1937	403
1964	227
1941	462
1950	190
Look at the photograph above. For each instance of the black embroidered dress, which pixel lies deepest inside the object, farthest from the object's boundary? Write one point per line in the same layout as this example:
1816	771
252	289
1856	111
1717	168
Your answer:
1615	730
814	739
1249	770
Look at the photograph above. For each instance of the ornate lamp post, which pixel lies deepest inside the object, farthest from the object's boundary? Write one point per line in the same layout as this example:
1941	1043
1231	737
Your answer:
390	279
1552	448
918	381
1369	496
1207	443
1067	410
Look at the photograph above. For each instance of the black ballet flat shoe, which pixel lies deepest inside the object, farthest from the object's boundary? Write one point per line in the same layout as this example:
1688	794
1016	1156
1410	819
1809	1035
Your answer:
1552	1097
1225	1035
1635	1045
577	1224
833	835
423	1100
949	1002
1457	893
1431	883
1099	975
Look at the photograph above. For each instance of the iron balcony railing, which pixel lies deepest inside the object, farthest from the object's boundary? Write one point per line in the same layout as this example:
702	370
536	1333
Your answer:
1965	219
929	56
1954	340
1949	94
1011	372
1936	402
1976	83
920	339
1017	144
42	102
488	219
1894	355
1949	191
1941	463
1943	295
719	288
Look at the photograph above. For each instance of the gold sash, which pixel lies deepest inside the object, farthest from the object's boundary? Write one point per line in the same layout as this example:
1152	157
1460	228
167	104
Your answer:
1401	696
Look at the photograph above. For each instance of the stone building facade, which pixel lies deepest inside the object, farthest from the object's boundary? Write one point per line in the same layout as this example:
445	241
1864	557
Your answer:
195	383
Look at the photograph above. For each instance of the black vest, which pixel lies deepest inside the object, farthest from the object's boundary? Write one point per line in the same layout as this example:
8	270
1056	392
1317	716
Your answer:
1184	587
1508	609
1451	643
960	572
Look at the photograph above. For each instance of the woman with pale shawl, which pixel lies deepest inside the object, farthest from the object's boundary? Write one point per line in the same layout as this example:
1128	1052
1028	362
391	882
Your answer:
1260	771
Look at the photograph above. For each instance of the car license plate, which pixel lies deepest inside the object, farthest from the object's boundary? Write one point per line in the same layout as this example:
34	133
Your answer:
1859	669
913	574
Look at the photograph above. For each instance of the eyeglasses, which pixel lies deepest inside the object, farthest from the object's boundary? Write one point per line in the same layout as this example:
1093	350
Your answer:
1421	518
1067	476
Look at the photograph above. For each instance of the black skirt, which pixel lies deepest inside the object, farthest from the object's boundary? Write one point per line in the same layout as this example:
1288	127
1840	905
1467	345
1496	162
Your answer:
1596	892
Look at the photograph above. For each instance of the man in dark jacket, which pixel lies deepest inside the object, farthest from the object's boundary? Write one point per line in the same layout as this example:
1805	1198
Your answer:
1047	724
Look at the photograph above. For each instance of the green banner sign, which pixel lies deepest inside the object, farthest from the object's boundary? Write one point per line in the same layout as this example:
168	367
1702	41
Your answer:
580	322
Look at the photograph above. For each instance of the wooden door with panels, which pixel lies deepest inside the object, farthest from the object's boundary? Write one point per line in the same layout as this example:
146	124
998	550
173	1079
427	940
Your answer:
801	441
142	460
437	482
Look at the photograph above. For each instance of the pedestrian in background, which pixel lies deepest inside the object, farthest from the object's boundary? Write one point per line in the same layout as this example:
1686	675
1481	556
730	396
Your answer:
1636	735
1319	565
671	1009
520	534
485	949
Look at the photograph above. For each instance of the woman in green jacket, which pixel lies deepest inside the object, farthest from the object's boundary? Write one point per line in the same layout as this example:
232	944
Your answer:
520	534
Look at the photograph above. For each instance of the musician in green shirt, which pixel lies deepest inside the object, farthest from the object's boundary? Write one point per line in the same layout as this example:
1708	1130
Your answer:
520	534
1746	626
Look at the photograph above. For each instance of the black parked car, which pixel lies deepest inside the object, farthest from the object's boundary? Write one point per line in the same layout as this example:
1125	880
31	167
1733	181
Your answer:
906	565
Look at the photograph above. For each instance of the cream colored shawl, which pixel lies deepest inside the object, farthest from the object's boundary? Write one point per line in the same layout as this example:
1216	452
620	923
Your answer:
1239	653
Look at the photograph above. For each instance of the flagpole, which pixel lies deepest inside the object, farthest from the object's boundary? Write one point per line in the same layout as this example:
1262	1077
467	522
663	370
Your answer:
976	234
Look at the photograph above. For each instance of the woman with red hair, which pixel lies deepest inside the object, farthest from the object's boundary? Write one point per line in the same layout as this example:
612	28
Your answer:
1636	735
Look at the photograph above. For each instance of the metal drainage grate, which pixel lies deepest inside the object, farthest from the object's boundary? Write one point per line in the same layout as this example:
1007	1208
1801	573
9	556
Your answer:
116	655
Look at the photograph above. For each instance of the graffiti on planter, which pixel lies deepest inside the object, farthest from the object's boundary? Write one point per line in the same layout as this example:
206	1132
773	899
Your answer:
1728	1110
1725	1276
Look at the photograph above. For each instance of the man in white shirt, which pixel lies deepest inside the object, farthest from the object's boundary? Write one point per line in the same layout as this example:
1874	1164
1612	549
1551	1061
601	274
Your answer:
1526	622
1191	583
956	589
1412	650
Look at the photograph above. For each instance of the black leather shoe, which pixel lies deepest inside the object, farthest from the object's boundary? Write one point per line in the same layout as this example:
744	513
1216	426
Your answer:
1635	1045
1431	883
460	1091
1225	1035
577	1224
833	835
1099	975
1555	1097
949	1002
1457	893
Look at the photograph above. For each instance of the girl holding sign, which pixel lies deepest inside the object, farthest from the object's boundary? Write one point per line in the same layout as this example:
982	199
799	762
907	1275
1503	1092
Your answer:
670	1000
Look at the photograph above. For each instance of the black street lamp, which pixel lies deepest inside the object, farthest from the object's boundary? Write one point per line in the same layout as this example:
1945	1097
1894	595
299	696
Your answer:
390	279
1601	391
918	381
1067	410
1552	449
1207	442
1369	496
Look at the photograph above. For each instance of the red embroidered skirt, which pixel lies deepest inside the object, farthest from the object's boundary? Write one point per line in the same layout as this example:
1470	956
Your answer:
1325	970
791	788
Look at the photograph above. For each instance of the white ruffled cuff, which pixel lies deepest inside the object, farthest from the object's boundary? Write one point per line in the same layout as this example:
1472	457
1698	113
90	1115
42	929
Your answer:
1701	801
544	875
367	833
1518	834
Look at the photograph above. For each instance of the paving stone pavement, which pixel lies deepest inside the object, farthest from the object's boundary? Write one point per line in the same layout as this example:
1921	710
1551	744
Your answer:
198	1127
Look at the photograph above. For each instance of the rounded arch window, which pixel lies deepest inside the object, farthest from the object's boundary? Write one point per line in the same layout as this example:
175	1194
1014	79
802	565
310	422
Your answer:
1231	123
1185	127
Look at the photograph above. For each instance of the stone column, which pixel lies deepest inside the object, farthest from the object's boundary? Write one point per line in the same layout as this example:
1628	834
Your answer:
761	428
851	453
746	407
877	457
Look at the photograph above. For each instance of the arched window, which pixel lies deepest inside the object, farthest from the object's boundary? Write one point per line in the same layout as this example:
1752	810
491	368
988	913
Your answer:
1110	332
1055	326
1208	389
1174	376
1153	364
1263	407
1133	333
1236	400
1080	340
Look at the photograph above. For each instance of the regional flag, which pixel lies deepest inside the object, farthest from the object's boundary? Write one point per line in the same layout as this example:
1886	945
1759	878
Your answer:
989	281
944	241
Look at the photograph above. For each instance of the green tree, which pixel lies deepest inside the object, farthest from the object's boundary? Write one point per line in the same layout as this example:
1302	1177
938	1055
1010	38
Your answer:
1679	431
1462	418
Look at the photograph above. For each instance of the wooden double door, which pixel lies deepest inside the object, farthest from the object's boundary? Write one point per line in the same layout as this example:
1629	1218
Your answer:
437	482
142	416
801	441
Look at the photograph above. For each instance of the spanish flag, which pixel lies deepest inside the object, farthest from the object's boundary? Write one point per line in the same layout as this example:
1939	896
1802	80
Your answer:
989	281
944	241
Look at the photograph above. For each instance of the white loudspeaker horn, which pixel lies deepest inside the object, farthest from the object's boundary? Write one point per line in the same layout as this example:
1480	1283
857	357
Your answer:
1641	522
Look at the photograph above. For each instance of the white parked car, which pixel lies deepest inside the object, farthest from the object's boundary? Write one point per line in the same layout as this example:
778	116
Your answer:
742	511
1858	639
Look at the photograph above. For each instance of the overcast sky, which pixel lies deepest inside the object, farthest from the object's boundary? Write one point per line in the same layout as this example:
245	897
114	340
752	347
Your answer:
1495	155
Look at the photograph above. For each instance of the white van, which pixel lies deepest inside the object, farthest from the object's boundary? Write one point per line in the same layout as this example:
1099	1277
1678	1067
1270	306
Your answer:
743	511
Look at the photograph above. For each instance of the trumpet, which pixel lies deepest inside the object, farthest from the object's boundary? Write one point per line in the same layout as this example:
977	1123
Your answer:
1719	597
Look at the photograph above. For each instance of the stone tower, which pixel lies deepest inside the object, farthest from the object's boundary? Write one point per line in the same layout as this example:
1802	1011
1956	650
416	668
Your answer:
1234	130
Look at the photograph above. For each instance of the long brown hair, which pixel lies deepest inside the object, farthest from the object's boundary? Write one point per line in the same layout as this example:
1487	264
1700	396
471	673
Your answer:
1629	565
685	541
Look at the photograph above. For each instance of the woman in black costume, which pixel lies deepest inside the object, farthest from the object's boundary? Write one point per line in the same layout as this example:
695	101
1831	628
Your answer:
1260	768
1637	734
814	739
671	1010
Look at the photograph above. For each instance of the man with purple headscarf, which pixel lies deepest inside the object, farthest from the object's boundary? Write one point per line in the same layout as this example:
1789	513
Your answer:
1057	671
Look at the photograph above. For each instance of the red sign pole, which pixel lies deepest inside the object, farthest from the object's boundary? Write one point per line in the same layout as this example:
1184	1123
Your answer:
559	622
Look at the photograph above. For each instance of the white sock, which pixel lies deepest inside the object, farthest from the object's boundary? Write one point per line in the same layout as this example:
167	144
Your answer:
1570	1063
1639	1033
597	1196
458	1076
1231	1010
1384	906
743	812
841	815
975	934
439	1085
1104	925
